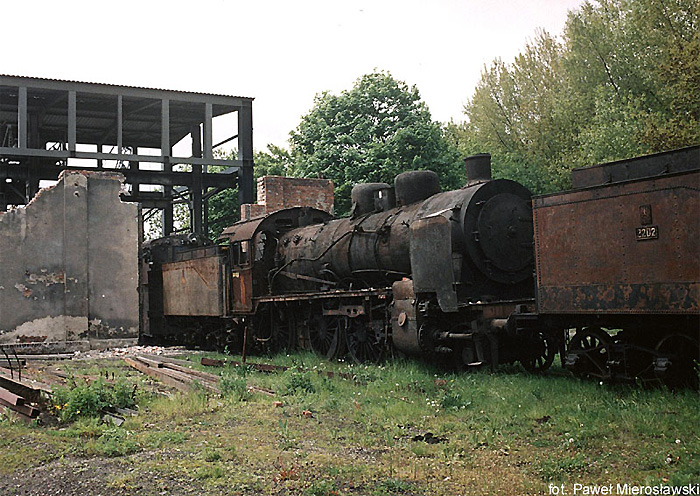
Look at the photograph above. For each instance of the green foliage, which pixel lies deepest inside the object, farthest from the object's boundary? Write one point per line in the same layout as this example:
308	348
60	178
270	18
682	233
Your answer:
299	383
371	133
321	488
393	486
223	211
116	441
622	82
453	400
89	399
234	386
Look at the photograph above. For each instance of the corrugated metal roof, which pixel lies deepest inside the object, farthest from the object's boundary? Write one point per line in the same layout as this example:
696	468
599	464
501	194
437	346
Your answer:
38	81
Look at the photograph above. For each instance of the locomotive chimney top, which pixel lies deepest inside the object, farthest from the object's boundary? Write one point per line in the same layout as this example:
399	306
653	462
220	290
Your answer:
478	167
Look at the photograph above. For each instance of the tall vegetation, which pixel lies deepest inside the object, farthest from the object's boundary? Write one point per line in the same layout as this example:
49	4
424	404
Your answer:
370	133
622	81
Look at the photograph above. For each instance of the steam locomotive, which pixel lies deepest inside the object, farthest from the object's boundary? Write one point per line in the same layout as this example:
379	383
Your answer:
606	274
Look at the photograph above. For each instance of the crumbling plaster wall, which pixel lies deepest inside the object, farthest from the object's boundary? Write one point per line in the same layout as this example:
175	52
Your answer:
69	266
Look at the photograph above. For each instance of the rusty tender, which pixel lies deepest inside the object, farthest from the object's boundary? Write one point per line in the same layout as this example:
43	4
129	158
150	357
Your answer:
607	274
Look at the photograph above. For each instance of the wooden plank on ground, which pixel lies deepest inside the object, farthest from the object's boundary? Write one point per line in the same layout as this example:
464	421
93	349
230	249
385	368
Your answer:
157	374
11	397
26	410
179	380
186	376
12	363
170	364
28	389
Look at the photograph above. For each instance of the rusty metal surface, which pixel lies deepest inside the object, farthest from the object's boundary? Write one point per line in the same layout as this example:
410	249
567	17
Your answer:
431	260
242	284
281	220
194	287
405	333
636	168
334	294
627	248
374	250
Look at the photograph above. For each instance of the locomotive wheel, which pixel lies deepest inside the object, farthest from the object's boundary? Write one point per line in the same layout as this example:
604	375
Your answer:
588	353
326	335
680	367
283	332
262	339
364	344
542	350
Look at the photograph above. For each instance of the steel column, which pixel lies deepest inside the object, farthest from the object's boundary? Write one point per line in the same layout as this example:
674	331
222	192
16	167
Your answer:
72	111
196	188
246	190
22	117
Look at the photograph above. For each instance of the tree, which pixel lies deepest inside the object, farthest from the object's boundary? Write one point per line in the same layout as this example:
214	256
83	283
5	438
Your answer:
371	133
623	81
516	115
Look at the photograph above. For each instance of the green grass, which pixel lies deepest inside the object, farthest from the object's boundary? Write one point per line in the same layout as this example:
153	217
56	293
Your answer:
366	434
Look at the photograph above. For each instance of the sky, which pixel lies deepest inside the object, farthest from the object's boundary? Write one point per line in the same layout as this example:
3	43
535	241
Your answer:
282	53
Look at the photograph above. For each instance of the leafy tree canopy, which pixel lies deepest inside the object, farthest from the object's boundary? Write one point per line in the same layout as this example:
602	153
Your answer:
371	133
623	81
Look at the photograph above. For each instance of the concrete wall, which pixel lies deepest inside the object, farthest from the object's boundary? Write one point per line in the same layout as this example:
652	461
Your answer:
277	192
69	267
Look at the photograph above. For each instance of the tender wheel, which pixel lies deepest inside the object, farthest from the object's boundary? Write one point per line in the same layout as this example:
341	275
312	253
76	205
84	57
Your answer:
365	344
588	353
541	350
326	335
678	357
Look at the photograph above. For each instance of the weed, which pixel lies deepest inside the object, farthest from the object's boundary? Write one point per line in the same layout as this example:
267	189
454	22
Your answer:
116	441
452	400
555	468
165	438
234	386
213	471
393	486
89	399
322	488
286	441
299	383
211	455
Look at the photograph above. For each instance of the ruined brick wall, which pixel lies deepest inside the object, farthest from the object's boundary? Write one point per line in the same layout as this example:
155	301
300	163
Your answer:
69	266
278	192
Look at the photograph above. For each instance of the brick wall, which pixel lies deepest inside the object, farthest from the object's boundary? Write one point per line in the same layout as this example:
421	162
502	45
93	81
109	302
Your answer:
277	192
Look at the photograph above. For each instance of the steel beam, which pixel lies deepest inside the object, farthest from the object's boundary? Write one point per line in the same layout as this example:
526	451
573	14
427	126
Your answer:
167	178
165	128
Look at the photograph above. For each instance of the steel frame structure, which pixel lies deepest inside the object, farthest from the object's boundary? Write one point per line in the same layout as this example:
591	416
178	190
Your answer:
47	126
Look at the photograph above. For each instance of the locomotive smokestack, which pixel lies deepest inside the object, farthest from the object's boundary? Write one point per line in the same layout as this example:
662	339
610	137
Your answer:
478	167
